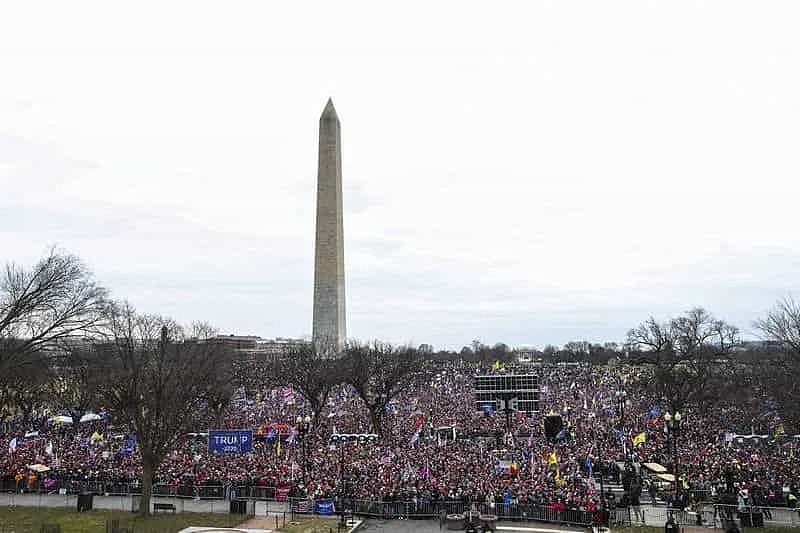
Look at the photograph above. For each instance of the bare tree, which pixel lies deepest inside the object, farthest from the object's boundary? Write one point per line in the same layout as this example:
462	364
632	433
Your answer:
40	309
578	350
689	355
379	372
308	370
75	379
778	370
55	300
21	393
782	327
159	383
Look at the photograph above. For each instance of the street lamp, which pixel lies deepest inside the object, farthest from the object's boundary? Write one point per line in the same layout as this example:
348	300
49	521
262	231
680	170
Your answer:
673	423
340	439
621	397
303	426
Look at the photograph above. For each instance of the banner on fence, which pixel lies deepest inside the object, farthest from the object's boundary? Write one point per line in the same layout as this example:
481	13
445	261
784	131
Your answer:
230	441
301	506
281	493
324	507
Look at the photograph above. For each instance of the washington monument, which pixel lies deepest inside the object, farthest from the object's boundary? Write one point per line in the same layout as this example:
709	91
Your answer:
329	315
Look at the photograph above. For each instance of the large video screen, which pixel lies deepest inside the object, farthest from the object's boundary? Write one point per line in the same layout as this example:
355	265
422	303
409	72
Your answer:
491	388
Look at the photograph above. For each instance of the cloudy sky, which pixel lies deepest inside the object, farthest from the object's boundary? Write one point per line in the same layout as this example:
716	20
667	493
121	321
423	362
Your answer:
533	172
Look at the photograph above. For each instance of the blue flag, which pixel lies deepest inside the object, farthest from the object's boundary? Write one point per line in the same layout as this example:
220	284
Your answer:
130	443
655	411
589	465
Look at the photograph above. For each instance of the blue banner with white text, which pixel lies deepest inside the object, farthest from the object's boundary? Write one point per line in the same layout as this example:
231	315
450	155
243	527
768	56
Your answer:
230	441
324	507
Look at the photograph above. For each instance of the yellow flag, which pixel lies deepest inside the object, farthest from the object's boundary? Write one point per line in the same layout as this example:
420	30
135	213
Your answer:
278	449
641	438
780	431
553	460
96	436
496	365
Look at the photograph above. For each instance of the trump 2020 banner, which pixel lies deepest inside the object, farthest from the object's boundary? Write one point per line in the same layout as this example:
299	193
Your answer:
230	441
324	507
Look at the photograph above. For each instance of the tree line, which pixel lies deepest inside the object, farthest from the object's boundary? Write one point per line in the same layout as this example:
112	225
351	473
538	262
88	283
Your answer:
65	342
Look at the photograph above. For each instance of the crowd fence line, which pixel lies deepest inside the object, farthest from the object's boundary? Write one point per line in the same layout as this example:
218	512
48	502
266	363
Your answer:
274	500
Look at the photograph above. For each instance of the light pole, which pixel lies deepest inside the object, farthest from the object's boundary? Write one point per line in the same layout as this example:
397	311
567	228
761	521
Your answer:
673	423
340	440
303	426
621	397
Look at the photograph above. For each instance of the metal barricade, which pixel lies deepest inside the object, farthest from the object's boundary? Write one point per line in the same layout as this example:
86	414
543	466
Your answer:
753	516
427	510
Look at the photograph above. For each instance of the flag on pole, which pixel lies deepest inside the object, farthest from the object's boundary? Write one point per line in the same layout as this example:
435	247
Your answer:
130	445
414	437
425	471
552	459
641	438
287	395
589	465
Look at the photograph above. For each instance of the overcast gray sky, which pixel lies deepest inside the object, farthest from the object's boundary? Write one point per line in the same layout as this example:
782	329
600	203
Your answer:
532	172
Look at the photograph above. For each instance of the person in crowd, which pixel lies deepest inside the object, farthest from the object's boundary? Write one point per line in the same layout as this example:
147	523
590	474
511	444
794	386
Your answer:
433	466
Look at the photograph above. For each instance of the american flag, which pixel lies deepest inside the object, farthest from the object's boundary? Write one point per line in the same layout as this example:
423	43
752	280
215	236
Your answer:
287	395
301	506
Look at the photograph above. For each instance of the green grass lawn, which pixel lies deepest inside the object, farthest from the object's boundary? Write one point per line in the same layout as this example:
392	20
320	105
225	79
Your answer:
30	520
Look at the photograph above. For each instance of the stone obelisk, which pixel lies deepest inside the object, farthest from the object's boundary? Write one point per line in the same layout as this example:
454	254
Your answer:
329	313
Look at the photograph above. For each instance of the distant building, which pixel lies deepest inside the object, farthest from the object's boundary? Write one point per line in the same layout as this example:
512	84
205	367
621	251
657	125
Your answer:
236	342
760	346
527	356
254	347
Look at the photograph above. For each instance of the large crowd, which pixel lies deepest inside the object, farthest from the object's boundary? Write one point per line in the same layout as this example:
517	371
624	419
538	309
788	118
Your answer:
437	444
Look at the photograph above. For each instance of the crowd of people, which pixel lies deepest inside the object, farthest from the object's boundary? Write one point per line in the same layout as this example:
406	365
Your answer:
438	444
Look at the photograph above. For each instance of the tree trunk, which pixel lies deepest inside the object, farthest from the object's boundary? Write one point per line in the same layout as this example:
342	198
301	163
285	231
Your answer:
375	419
147	484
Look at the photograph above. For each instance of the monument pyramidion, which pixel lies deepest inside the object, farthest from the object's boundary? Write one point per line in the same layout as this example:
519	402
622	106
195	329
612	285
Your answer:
329	329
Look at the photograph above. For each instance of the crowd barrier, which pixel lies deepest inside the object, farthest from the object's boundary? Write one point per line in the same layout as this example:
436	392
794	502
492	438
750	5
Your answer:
101	488
752	516
708	514
429	510
191	498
